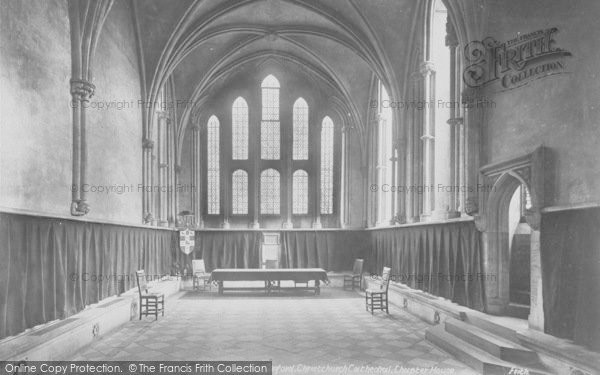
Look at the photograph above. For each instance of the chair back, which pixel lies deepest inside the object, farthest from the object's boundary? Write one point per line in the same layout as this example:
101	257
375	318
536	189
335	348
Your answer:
385	278
142	284
198	266
358	267
271	263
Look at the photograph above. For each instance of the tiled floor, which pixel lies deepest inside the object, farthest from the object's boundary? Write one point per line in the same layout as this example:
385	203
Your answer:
291	330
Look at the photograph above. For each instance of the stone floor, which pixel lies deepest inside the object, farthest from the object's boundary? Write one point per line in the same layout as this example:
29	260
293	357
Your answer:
295	331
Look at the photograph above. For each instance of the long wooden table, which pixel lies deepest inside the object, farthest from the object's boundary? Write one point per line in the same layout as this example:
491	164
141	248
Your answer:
271	277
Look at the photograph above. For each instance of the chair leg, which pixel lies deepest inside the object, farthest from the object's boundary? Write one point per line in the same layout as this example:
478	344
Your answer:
141	309
366	302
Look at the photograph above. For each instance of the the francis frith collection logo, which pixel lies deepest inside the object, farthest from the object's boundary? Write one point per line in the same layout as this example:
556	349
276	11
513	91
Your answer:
514	63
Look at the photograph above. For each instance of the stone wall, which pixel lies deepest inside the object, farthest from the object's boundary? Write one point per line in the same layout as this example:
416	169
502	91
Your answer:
36	124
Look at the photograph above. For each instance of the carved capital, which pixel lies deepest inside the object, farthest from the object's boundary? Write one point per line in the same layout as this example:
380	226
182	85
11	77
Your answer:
347	129
82	89
148	218
455	121
426	68
471	206
451	37
147	143
79	208
399	218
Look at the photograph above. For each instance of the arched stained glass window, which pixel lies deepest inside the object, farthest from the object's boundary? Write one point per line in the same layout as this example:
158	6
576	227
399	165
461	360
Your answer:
269	192
327	166
239	192
300	130
239	129
213	190
269	127
300	192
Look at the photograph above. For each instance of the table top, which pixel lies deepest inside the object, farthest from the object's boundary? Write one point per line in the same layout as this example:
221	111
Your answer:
268	270
250	274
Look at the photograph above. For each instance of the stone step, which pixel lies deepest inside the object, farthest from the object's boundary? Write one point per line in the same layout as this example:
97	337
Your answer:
478	359
518	310
495	345
494	328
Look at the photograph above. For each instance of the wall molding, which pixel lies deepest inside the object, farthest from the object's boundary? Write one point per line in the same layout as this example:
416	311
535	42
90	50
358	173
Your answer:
49	215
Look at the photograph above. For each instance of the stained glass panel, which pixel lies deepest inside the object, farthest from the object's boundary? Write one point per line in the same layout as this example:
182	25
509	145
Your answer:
213	167
239	129
300	192
327	166
300	139
239	192
269	192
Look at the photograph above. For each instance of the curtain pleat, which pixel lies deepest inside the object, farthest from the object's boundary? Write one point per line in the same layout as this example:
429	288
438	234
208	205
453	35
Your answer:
444	260
570	257
221	249
330	250
52	268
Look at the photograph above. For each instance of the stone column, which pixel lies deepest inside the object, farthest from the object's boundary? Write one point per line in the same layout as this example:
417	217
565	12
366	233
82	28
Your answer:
472	123
81	92
147	147
455	122
317	180
394	182
428	138
413	152
171	177
345	177
286	204
195	189
163	122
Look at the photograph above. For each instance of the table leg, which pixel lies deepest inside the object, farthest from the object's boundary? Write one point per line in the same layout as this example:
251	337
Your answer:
220	287
317	288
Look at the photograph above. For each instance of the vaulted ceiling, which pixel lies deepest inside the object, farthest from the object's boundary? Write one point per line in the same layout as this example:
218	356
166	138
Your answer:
346	42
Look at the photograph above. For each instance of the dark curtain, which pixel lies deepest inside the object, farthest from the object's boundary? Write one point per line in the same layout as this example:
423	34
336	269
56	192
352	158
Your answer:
570	255
444	260
223	249
52	268
330	250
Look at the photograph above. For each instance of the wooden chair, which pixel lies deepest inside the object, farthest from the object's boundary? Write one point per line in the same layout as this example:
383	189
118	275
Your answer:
355	279
376	297
150	303
199	275
274	284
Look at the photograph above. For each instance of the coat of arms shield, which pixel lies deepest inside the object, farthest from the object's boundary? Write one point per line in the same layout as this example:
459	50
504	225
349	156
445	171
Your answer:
186	240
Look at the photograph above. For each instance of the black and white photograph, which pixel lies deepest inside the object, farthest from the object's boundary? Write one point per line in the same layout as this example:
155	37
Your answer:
300	187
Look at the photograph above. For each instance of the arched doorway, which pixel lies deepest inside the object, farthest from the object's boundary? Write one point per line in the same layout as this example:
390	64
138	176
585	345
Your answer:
519	250
499	184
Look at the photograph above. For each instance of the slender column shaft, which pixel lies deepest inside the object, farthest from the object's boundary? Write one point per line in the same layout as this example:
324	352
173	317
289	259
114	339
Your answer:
428	137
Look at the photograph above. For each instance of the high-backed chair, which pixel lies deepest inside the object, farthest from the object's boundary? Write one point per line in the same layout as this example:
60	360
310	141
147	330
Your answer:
376	297
150	303
355	279
199	275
